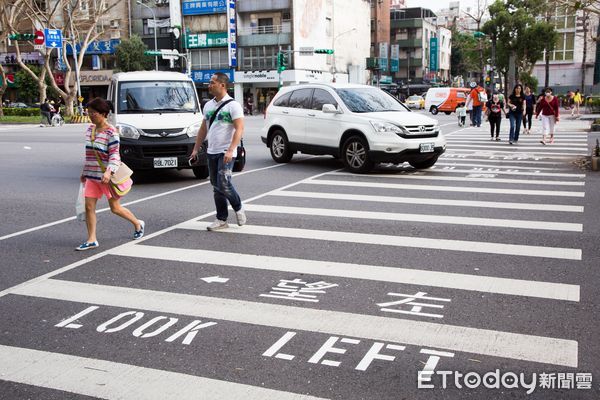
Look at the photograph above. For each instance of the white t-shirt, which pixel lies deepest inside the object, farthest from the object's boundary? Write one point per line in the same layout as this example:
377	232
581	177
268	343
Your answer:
220	133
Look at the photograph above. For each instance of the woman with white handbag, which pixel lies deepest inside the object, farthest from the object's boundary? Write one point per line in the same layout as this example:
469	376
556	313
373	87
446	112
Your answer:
102	166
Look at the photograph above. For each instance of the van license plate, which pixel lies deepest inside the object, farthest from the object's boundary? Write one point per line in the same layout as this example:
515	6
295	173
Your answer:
166	162
426	147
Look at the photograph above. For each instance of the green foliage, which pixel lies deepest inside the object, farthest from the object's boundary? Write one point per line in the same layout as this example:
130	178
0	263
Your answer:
529	80
130	55
23	112
514	25
28	87
464	57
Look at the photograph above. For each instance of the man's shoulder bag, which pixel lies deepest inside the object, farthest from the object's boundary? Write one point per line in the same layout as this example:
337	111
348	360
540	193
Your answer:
240	159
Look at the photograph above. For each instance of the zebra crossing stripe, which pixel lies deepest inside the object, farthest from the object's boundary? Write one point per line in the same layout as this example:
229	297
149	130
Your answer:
469	163
521	147
426	201
427	218
112	380
401	241
450	337
486	284
431	175
490	158
518	192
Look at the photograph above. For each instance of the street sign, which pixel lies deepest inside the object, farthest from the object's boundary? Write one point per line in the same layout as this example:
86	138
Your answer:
433	54
39	37
53	38
39	47
307	51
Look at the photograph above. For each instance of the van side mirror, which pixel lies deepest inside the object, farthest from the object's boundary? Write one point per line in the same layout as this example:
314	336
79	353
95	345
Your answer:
330	109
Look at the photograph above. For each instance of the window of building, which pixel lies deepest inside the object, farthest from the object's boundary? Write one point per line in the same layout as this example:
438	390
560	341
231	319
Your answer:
150	31
265	25
261	57
210	59
565	47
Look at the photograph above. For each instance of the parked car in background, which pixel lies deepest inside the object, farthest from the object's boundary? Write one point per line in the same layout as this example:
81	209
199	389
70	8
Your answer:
415	101
18	105
359	124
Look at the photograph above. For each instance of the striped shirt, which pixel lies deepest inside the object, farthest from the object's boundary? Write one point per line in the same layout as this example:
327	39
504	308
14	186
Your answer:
106	146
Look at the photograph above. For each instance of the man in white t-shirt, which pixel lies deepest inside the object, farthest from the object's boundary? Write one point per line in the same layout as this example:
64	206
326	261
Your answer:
223	132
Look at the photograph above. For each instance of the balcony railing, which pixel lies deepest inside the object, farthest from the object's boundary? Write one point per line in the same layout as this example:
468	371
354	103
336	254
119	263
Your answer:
286	27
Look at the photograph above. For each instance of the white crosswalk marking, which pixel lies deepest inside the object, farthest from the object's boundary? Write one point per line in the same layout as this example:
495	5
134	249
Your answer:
111	380
471	340
403	241
548	290
432	219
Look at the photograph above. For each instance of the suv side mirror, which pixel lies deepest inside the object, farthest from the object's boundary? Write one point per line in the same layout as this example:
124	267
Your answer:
330	109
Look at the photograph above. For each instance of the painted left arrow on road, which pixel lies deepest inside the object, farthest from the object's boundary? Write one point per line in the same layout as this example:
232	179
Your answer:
215	279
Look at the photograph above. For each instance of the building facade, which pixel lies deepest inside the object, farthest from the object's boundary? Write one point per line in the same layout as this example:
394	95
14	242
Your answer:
567	66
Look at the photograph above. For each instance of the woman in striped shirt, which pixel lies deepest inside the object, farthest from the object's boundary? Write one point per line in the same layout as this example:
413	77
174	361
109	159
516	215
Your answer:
102	159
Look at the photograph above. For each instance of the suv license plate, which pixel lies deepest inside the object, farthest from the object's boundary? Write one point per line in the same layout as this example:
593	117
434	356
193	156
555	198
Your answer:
426	147
167	162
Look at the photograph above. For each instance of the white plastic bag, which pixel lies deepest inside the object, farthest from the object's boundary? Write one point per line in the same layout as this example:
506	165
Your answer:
80	204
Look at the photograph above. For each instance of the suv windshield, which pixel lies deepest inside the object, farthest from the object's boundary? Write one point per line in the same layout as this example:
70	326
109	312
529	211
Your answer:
165	96
361	100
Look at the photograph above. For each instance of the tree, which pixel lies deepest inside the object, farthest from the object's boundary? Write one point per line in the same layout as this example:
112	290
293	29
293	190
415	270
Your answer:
130	55
519	36
10	11
28	86
463	58
482	5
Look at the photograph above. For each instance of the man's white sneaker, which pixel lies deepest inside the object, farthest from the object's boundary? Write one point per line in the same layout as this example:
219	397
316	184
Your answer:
217	225
241	217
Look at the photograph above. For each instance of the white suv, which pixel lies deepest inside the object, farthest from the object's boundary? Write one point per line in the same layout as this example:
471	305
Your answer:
360	124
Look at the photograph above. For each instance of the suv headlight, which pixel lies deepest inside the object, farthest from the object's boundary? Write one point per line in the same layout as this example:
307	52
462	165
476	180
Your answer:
128	131
384	127
192	130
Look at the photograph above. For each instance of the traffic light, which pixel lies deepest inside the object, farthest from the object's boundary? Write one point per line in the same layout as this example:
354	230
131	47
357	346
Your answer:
21	36
488	80
323	51
478	34
282	61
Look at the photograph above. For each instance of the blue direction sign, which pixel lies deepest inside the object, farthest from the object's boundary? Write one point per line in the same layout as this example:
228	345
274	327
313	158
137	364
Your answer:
53	38
433	54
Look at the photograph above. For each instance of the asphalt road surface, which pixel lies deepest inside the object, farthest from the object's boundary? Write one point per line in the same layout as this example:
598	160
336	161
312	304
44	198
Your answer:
477	278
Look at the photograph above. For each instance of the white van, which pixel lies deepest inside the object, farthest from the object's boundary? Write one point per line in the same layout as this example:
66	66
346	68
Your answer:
158	117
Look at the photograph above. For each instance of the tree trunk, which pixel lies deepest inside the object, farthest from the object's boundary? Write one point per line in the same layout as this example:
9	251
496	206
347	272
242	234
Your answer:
2	89
584	61
512	79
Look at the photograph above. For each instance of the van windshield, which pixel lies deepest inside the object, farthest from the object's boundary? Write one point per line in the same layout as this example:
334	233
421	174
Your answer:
362	100
157	97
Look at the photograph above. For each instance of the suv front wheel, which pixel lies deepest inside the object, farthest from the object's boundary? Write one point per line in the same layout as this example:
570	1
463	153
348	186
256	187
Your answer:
280	147
355	155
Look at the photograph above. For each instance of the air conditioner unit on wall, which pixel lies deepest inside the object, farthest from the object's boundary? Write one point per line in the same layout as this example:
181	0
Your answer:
114	23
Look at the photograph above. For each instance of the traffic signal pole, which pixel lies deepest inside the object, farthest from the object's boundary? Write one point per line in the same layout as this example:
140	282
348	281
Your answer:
283	58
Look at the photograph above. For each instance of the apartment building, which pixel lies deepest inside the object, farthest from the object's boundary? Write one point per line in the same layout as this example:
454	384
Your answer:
567	66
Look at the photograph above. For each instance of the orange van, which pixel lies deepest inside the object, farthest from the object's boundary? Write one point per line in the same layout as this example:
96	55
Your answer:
445	99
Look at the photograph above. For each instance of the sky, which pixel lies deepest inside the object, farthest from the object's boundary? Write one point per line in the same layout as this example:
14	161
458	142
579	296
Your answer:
435	5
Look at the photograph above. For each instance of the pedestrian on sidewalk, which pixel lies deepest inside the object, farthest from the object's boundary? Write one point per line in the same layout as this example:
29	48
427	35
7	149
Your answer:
530	102
494	110
469	107
577	100
45	112
516	106
102	159
548	107
223	127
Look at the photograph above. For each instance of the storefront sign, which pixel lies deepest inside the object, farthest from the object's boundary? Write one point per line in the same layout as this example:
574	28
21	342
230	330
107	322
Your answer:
10	80
95	78
433	54
257	76
200	7
59	78
203	76
203	40
28	58
96	47
232	34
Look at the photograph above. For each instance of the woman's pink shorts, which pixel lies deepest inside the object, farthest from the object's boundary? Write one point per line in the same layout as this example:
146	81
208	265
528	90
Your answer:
96	189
